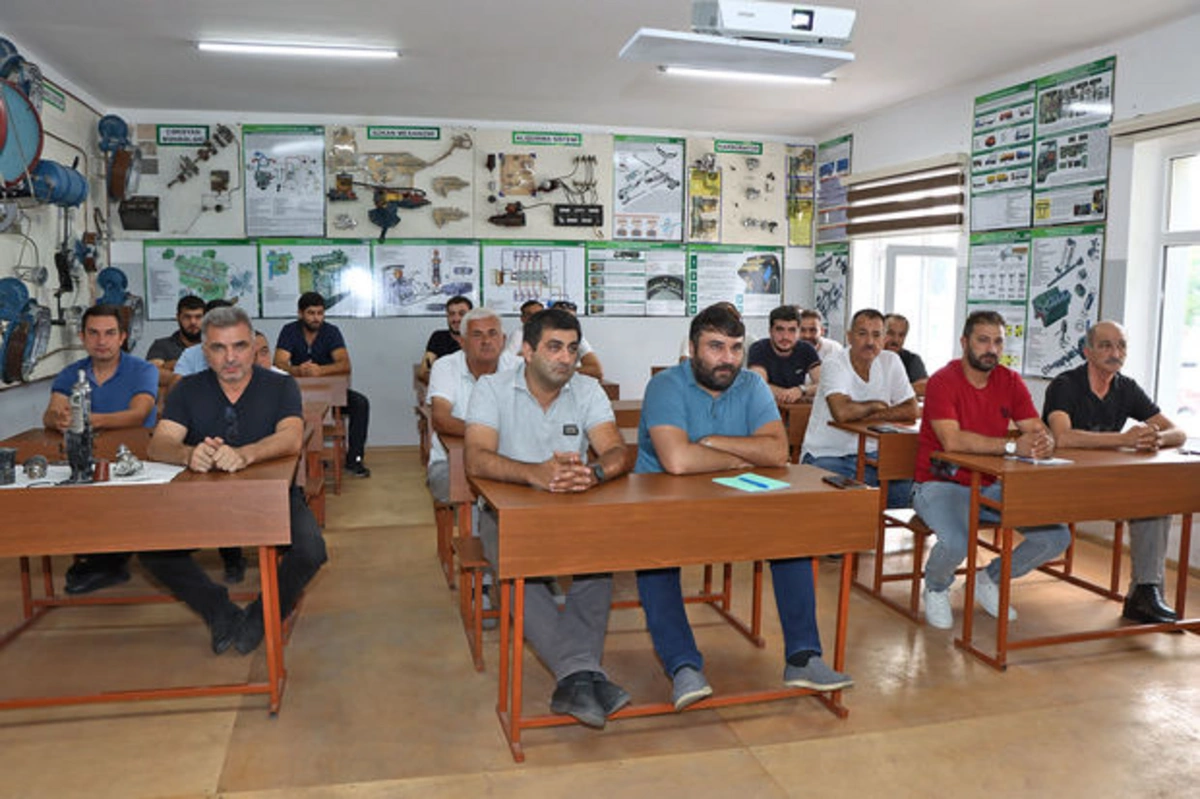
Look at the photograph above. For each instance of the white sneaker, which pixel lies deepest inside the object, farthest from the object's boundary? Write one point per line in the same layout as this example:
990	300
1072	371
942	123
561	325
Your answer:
987	594
937	609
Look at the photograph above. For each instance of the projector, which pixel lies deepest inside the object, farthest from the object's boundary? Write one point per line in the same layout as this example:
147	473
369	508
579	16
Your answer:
785	23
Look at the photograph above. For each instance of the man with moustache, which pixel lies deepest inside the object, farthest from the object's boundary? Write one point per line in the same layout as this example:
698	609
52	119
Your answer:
164	352
448	341
783	359
863	383
969	405
707	414
533	425
896	331
812	330
1087	407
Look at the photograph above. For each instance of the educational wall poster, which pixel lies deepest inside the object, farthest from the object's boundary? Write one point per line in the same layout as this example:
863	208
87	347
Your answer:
208	268
998	266
284	180
749	277
339	270
517	271
1076	98
415	277
704	204
801	193
1002	145
1083	202
1000	210
833	165
754	206
1013	314
648	188
829	287
1064	288
632	280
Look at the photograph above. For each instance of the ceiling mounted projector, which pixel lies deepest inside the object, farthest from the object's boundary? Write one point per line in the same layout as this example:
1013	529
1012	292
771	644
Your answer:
768	38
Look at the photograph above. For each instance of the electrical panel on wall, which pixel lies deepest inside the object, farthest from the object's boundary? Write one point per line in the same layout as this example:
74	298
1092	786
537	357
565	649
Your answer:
737	192
542	185
399	181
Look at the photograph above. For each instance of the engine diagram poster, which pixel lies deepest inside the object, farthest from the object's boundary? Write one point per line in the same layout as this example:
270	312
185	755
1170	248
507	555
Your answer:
750	278
209	269
284	180
338	270
648	188
1064	290
517	271
829	287
1013	315
628	280
998	266
833	165
416	277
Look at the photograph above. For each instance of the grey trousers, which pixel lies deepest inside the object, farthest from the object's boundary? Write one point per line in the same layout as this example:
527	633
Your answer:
438	479
1148	549
569	639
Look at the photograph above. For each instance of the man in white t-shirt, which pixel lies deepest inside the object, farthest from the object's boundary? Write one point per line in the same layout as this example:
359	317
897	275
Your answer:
589	362
862	383
812	330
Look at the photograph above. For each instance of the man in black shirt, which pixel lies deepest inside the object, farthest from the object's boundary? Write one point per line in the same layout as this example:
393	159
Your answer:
1087	407
164	352
783	359
445	342
895	332
225	418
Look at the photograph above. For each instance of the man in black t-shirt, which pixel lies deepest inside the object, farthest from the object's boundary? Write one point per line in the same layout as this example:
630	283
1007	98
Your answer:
226	418
895	328
783	359
445	342
1087	407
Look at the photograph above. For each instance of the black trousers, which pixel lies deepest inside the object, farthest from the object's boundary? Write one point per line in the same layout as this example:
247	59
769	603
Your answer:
358	407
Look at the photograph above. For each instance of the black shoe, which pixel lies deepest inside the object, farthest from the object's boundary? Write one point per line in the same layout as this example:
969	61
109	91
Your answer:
251	631
357	469
224	629
1145	605
611	696
235	569
82	579
576	696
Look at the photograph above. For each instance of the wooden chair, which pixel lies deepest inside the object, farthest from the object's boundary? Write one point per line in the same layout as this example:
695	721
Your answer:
472	566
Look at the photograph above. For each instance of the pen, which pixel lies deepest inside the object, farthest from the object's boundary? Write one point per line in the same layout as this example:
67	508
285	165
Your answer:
754	483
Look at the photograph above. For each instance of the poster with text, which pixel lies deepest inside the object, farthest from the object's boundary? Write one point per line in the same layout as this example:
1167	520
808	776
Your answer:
829	287
415	277
628	280
833	165
1013	355
1081	97
339	270
998	266
209	269
749	277
648	188
284	180
1064	291
1002	149
517	271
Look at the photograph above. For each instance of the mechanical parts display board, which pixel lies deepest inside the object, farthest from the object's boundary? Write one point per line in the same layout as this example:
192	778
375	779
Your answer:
211	269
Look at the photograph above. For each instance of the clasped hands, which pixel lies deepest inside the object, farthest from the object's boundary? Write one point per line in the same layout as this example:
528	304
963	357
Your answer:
1144	437
565	472
1037	444
213	453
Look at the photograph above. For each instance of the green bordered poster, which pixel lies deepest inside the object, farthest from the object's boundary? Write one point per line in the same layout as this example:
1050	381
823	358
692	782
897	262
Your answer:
636	279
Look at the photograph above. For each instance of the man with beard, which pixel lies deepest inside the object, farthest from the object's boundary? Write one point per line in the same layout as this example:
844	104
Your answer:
896	331
164	352
312	347
533	425
448	341
1087	407
783	360
226	418
969	405
707	414
812	330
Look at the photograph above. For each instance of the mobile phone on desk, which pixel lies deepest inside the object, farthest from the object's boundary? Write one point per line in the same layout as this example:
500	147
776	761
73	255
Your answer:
841	481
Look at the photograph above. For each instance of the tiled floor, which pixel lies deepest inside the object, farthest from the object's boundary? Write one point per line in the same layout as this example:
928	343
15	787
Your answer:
382	700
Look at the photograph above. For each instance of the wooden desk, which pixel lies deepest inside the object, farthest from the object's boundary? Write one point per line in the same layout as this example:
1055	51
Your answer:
1098	484
795	419
611	390
327	388
249	508
647	521
314	464
628	412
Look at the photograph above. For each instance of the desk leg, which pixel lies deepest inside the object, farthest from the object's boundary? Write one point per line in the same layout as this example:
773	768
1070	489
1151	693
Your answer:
972	552
727	587
756	606
505	589
518	649
833	700
48	576
26	589
268	570
464	518
1005	591
1181	574
881	529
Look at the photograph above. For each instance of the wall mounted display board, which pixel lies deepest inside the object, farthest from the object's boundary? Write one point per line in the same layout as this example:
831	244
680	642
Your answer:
1002	146
801	193
648	188
833	165
339	270
998	268
736	192
208	268
829	287
284	180
517	271
1064	289
636	280
749	277
415	277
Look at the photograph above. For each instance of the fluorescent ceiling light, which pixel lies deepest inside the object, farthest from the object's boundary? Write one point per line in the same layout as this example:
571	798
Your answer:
311	50
725	74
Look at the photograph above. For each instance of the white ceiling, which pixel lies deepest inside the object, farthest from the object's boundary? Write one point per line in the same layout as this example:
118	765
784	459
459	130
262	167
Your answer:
541	61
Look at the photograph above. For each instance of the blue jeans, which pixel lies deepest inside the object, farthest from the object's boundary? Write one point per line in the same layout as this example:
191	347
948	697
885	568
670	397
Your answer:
899	491
944	506
662	601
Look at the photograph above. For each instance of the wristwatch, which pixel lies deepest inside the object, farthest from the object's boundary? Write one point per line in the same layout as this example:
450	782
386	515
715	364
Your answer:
598	472
1010	447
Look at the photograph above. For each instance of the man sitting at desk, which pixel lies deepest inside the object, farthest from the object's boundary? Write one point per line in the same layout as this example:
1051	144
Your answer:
124	389
445	342
533	424
864	383
896	331
1087	407
164	352
969	405
783	360
226	418
312	347
812	330
705	415
589	361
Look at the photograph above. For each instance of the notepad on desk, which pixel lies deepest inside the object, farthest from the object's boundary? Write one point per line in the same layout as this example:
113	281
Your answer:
751	482
890	428
1039	461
